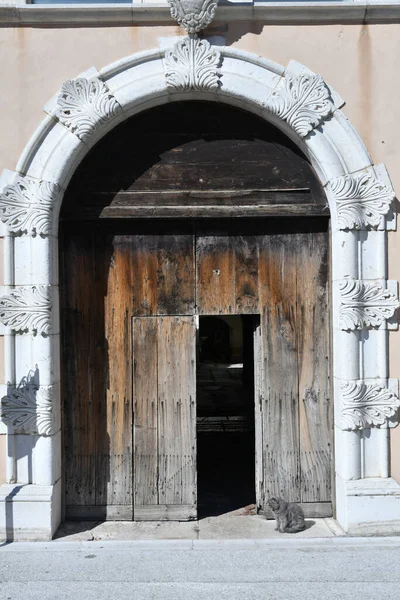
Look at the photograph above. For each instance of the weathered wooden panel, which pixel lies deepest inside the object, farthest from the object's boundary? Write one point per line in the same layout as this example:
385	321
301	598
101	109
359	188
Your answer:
166	512
165	417
259	405
145	396
177	410
246	250
158	271
96	374
111	512
210	148
315	412
215	282
78	354
117	316
280	378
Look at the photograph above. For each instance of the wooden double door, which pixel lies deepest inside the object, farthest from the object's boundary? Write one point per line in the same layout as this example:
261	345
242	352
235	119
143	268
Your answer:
132	294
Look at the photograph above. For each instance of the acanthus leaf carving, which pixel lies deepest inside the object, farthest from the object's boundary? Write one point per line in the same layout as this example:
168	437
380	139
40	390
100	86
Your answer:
26	205
366	405
28	409
84	105
364	304
27	309
361	200
303	103
193	15
192	64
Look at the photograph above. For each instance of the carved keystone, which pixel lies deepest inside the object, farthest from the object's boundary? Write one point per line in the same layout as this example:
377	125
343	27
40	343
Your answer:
193	15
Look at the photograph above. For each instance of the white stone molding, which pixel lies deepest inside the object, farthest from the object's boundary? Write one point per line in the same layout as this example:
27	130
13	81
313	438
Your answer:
366	405
364	304
307	12
28	409
361	200
26	205
303	102
192	64
27	309
292	99
84	105
193	15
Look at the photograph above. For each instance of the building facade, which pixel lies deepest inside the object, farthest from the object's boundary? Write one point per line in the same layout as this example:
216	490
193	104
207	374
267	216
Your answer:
165	166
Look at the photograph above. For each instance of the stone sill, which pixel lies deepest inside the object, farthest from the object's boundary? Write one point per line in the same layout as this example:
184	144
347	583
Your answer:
373	486
276	13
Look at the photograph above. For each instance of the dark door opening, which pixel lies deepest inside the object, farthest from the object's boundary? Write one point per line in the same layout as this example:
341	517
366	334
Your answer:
225	414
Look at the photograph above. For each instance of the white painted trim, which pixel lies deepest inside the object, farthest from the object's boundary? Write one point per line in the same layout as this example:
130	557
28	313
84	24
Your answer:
304	108
277	13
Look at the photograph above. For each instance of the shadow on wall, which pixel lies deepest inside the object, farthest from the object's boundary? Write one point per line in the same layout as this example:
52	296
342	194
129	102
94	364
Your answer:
26	413
227	34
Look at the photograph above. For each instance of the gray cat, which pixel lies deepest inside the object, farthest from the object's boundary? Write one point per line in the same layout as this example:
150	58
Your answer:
289	516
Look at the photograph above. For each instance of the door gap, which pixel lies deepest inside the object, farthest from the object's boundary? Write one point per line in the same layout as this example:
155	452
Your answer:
225	414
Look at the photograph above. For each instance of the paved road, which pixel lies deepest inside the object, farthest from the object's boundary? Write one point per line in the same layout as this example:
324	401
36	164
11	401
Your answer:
338	568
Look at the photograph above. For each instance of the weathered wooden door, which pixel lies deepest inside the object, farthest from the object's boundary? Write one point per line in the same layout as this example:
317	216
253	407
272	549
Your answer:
189	210
164	392
281	274
294	417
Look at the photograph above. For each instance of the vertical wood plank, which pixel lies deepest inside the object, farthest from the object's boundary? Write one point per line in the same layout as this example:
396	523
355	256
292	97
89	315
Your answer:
313	347
145	332
119	389
175	275
177	410
215	281
143	266
246	274
280	410
259	403
78	377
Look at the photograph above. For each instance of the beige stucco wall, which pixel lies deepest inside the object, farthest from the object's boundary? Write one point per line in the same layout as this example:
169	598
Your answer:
360	62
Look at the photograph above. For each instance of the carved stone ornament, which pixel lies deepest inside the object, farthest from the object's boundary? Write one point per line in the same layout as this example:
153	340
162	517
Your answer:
361	200
26	205
28	409
84	105
193	15
364	304
365	405
303	103
192	64
27	309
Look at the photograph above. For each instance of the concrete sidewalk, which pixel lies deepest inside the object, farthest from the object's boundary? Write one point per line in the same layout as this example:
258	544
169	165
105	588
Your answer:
333	568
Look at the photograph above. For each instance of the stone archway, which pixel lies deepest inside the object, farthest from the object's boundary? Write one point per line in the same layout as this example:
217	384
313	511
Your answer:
307	110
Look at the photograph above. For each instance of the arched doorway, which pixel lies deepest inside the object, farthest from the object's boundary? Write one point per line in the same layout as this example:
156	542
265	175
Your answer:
192	209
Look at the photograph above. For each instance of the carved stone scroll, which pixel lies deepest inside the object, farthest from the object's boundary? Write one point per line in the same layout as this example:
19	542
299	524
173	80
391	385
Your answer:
29	409
192	64
361	200
364	305
27	309
366	405
84	105
303	103
26	205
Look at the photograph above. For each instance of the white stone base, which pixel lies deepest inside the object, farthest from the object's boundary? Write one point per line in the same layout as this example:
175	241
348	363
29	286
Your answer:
29	512
368	506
